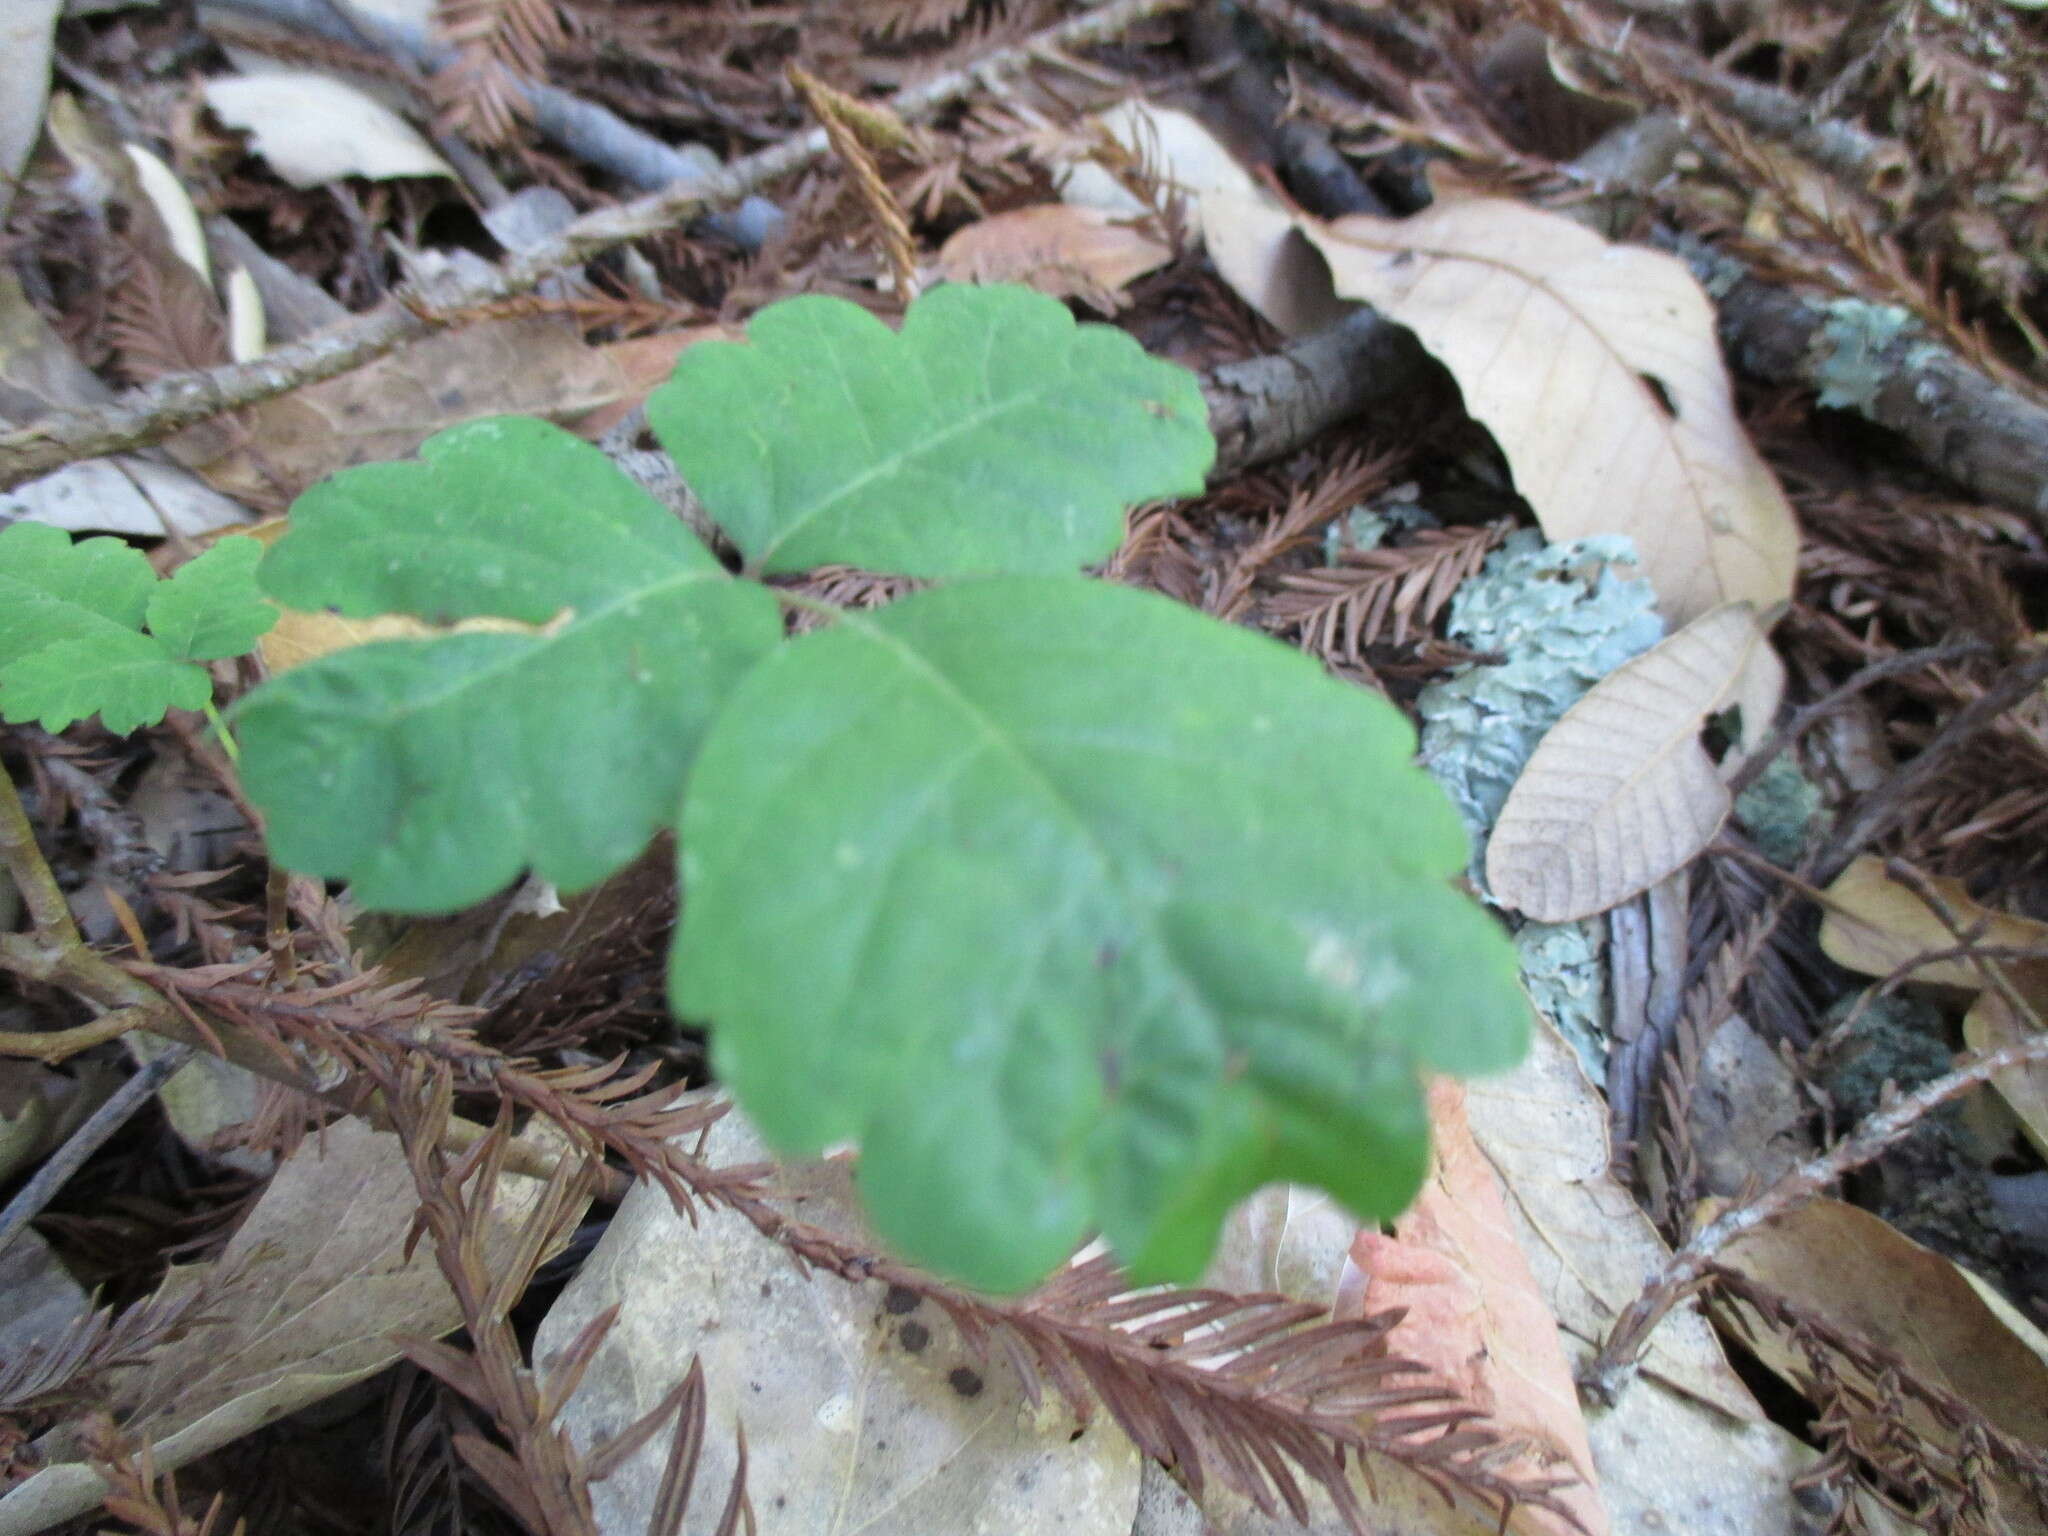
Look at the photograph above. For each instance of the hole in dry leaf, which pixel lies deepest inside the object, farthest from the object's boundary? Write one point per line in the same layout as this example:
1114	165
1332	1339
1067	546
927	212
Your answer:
1662	395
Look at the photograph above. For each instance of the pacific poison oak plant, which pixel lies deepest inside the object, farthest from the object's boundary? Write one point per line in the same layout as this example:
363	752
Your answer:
1077	909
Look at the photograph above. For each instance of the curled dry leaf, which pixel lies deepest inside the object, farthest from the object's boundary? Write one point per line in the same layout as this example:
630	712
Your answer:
1058	248
1875	924
1686	1448
1473	1314
1596	368
1620	793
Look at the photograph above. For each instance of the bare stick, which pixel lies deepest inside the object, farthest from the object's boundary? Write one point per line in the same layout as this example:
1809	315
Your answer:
86	1140
1610	1369
181	400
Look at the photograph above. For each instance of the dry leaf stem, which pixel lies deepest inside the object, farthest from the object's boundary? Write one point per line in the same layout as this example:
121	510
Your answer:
183	400
1687	1268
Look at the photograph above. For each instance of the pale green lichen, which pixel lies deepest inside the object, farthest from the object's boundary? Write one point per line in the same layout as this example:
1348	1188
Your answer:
1367	525
1563	616
1849	362
1565	975
1779	810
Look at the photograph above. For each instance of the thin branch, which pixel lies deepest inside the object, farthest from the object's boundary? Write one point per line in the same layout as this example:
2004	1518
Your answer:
1805	719
51	1046
1880	810
23	859
1686	1269
58	1168
172	404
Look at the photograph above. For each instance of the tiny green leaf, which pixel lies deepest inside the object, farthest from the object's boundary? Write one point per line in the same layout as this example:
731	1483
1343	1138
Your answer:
428	772
992	435
211	606
70	621
1080	910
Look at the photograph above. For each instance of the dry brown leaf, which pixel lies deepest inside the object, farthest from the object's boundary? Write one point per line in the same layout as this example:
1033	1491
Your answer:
1596	368
323	1285
1061	249
1874	924
1474	1316
861	1416
1847	1267
300	634
1686	1448
1991	1025
1620	793
527	365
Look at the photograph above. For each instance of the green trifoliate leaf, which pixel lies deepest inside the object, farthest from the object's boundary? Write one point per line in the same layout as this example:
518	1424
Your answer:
70	622
428	772
992	435
211	606
1079	910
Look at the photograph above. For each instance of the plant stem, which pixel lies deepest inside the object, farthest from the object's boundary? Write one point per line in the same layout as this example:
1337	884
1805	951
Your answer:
223	734
47	908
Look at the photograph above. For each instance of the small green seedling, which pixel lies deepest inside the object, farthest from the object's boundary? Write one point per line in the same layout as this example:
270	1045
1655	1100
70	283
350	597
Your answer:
1079	910
72	618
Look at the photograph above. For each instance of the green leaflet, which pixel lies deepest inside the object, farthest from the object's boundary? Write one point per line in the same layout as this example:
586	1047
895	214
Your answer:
1079	908
71	617
429	772
993	434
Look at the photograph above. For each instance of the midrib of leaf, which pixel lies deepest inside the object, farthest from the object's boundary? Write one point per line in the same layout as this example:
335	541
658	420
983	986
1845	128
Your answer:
1003	744
891	464
1669	425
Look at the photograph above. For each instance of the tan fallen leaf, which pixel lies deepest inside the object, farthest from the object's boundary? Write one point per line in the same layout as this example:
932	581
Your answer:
1991	1024
1250	237
526	365
313	128
28	34
1620	792
863	1413
322	1285
1595	367
1474	1316
1061	249
1847	1267
1686	1448
1875	924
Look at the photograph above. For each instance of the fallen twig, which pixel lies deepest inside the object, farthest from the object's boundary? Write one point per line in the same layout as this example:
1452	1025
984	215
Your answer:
58	1168
1610	1369
182	400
